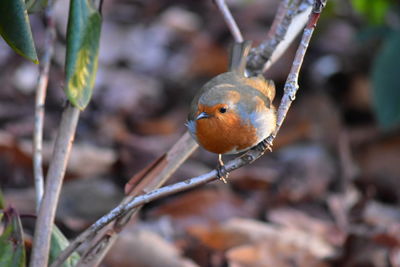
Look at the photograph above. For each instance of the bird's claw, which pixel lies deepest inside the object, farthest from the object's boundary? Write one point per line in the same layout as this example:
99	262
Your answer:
222	173
265	145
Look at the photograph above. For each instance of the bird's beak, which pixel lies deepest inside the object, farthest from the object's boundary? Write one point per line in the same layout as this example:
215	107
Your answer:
202	115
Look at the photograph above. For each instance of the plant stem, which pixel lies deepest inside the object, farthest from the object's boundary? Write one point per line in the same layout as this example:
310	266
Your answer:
61	152
39	103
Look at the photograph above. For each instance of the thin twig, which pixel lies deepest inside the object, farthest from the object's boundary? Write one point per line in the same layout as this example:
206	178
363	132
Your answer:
291	88
44	223
41	89
229	20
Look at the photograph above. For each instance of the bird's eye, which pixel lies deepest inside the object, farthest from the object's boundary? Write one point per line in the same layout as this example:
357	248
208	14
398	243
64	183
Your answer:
222	110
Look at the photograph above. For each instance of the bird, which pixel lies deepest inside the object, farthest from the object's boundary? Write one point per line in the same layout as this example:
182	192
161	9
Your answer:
232	113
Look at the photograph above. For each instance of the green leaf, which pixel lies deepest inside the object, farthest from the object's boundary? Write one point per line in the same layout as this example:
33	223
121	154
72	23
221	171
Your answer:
385	82
16	30
58	243
373	33
35	5
374	11
2	201
12	249
83	37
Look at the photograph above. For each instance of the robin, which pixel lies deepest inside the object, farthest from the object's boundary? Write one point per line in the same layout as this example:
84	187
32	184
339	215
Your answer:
233	113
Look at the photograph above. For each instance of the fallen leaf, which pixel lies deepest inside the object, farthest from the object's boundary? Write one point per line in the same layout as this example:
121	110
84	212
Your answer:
297	219
306	172
138	247
265	254
85	161
203	207
236	232
379	165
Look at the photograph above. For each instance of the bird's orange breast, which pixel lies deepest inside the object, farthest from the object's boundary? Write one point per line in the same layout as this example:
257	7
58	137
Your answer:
225	134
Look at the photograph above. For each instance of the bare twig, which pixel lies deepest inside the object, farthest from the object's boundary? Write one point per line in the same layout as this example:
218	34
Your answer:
291	88
44	223
40	100
229	20
290	19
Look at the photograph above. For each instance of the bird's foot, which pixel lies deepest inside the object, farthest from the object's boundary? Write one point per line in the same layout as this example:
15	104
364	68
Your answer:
222	173
265	145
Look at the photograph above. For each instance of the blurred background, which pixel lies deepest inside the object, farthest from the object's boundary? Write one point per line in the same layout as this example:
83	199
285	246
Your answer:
327	196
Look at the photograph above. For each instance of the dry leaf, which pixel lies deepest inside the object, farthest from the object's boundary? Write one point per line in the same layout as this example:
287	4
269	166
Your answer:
204	207
138	248
237	232
266	254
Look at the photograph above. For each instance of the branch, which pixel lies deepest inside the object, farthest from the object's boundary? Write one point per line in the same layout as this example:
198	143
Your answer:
291	84
229	20
50	37
291	87
290	19
44	223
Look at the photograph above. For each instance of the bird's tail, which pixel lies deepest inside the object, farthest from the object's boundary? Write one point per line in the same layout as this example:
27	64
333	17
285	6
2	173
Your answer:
238	57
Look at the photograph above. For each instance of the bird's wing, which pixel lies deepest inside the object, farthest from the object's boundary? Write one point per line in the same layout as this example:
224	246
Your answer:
266	87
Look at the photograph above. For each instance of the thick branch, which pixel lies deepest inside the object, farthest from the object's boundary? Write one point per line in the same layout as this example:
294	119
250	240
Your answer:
39	103
291	85
291	88
44	223
290	19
